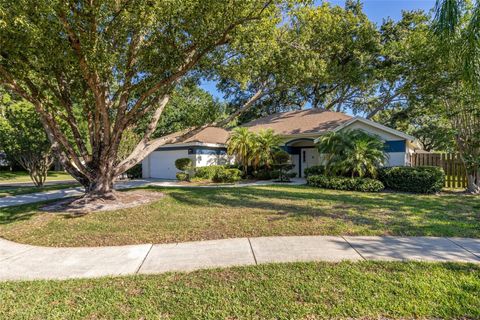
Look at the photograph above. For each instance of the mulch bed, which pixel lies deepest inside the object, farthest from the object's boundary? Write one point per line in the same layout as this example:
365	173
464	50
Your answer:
120	200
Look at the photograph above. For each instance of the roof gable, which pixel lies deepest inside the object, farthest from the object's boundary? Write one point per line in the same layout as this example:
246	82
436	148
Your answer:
375	125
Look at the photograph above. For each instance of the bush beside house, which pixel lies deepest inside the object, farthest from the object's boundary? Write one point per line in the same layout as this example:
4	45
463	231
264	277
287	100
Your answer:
351	163
413	179
219	174
183	164
314	171
343	183
282	164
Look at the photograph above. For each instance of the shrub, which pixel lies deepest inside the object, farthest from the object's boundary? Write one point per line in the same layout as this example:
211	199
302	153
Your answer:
342	183
282	165
262	174
183	164
227	175
182	176
413	179
314	171
218	174
266	174
207	172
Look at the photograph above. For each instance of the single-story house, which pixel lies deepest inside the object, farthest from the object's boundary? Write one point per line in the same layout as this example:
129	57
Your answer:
299	131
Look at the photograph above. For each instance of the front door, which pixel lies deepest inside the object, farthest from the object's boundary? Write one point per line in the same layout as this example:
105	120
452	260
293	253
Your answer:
310	158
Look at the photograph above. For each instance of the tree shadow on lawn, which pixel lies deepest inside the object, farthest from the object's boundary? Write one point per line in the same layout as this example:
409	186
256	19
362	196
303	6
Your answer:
18	213
382	213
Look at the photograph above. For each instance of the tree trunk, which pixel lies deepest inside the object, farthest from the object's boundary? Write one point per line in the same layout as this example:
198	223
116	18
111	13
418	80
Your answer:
37	165
473	180
101	186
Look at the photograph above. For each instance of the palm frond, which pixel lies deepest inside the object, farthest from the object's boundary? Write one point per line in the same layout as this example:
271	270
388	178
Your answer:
448	14
471	52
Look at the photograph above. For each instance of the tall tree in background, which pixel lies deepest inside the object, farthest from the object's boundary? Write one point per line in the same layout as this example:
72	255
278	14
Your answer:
458	25
189	106
113	63
321	57
409	81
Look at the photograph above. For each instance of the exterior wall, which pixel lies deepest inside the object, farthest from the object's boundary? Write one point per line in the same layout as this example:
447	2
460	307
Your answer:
396	152
146	167
396	159
204	160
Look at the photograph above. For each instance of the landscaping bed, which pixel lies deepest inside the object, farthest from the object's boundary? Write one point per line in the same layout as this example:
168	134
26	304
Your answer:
188	214
362	290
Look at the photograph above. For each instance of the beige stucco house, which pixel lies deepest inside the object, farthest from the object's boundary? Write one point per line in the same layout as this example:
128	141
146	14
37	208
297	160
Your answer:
299	131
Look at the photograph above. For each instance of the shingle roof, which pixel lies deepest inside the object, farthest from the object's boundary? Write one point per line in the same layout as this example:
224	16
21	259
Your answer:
285	123
299	122
210	135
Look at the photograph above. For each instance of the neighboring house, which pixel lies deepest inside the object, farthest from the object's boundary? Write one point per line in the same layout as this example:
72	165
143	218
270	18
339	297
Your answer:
299	130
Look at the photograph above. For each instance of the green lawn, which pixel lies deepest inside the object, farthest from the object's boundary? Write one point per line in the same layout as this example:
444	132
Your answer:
186	214
22	176
362	290
14	191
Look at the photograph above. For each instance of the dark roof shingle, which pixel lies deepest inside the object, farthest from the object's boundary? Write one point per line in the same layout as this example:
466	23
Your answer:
299	122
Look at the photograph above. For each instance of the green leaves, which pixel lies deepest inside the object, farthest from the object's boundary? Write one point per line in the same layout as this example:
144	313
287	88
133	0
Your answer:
448	15
352	152
257	149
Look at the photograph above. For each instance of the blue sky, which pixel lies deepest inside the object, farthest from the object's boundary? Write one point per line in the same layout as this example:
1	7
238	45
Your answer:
376	10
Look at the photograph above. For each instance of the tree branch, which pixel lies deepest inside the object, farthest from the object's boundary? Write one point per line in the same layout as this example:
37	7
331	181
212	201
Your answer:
145	147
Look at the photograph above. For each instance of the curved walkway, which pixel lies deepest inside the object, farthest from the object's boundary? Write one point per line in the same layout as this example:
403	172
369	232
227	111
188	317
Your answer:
25	262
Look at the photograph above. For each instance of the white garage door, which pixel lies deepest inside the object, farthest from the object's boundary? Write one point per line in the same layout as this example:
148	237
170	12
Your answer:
162	163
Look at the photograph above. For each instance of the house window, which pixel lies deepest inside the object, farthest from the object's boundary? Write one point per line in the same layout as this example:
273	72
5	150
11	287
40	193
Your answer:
304	156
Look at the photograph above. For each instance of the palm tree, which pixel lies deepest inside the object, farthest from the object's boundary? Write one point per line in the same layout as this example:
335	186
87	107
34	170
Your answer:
266	144
241	145
353	152
458	26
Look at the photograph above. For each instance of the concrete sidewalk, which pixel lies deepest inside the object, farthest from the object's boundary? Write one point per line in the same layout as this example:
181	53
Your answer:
78	191
25	262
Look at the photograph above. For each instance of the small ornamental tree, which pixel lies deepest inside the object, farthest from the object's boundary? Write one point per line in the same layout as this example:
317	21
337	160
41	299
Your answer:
23	139
283	164
183	164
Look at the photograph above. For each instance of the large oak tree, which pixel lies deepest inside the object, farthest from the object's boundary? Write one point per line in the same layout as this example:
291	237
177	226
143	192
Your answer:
113	64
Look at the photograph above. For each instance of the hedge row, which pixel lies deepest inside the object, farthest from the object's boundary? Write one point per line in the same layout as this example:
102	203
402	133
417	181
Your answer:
218	174
342	183
413	179
314	171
